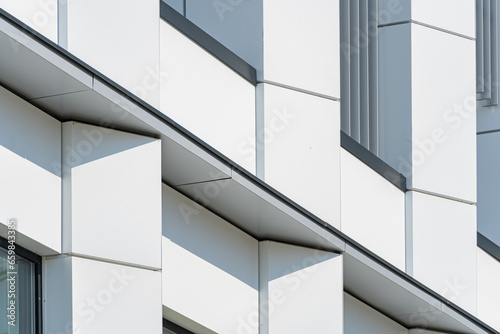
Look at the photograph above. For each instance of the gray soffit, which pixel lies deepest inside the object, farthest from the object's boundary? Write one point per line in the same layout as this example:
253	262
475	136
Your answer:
52	79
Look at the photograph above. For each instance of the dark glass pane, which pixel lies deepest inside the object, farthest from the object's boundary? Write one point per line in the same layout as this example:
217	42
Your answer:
17	291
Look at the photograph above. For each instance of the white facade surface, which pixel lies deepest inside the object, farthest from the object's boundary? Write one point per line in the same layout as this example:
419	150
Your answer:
441	239
301	45
301	140
30	174
360	318
40	15
380	224
210	267
110	211
118	38
207	98
300	289
88	296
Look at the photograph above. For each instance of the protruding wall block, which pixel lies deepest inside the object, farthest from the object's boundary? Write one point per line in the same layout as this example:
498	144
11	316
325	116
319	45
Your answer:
118	38
111	194
30	174
207	97
372	210
429	97
209	268
441	247
300	142
301	289
302	45
88	296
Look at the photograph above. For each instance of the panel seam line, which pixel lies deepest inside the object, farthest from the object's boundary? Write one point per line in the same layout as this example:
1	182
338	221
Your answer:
427	26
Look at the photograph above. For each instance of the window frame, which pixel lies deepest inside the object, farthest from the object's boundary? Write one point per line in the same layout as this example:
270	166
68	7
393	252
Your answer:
37	261
174	327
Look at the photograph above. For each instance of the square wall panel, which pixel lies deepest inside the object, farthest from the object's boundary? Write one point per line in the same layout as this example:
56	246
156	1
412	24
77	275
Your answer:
40	15
443	113
302	45
442	237
372	210
30	172
88	296
209	267
111	194
207	98
110	298
301	139
301	289
119	38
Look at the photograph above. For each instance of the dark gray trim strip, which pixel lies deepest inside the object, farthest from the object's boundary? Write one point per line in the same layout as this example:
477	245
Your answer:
488	246
488	131
174	327
37	37
372	161
207	42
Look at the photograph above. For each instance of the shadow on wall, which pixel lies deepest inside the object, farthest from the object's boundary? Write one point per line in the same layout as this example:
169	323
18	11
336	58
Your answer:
30	133
209	237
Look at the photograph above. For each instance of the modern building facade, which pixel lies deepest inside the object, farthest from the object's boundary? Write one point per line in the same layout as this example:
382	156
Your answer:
249	166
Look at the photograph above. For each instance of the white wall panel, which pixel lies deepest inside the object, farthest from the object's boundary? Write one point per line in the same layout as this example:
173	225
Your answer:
443	113
110	298
488	186
41	15
372	210
30	173
112	194
301	135
454	15
443	257
209	267
457	16
301	289
119	38
359	318
301	45
207	98
86	296
429	97
488	289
